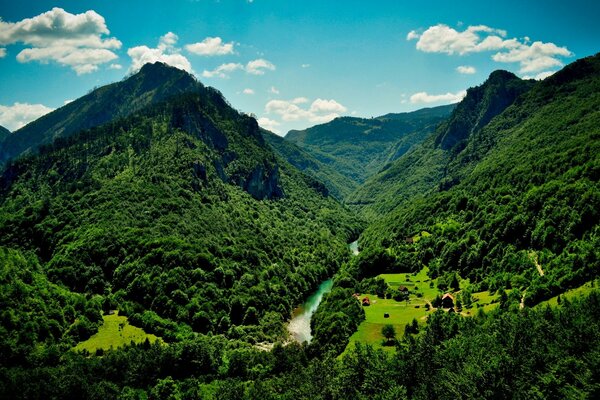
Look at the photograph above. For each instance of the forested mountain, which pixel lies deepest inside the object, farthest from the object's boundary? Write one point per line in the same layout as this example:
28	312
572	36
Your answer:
179	215
337	184
424	167
359	147
511	203
182	214
3	133
152	84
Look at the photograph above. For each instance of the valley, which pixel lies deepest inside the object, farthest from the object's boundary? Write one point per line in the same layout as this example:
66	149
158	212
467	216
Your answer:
160	248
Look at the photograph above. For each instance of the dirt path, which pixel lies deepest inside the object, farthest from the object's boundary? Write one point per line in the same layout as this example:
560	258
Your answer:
522	303
535	259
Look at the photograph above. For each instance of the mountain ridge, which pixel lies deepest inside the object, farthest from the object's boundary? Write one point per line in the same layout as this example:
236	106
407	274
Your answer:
153	83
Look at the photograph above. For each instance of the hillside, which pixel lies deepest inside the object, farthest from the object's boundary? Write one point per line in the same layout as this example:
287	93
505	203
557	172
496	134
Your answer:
3	133
152	84
360	147
508	199
423	168
180	216
337	184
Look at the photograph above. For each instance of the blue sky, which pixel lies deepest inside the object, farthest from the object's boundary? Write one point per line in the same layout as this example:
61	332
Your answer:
291	63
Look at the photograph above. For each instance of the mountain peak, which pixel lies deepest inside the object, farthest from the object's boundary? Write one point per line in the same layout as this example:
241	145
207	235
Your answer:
154	83
480	105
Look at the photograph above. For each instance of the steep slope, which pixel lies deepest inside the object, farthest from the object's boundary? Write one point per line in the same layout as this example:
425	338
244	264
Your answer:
360	147
424	167
520	192
180	215
3	133
337	184
153	83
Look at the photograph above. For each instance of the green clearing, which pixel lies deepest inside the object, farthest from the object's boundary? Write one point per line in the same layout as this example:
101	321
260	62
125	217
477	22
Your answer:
402	313
580	291
115	332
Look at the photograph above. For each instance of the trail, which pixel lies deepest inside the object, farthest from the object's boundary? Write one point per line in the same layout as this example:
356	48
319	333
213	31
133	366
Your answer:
534	257
522	303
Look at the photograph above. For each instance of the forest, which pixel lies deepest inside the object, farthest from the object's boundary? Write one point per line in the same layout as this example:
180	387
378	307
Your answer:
203	229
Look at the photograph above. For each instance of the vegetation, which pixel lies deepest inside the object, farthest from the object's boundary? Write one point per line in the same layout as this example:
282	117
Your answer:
202	230
115	331
518	194
358	147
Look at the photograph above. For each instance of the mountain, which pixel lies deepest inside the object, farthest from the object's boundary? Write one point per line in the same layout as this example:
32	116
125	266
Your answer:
3	133
507	189
152	84
337	184
180	215
422	168
360	147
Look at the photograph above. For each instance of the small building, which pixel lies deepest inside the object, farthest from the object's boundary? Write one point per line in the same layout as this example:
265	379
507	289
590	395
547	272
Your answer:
447	301
366	301
404	290
356	296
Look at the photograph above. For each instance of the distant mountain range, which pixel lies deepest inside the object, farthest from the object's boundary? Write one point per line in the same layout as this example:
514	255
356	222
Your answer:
359	147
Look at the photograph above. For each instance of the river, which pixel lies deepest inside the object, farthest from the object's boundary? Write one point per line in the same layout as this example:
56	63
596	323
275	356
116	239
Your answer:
299	325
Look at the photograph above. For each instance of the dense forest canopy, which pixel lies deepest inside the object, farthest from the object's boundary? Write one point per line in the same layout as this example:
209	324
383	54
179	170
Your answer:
181	213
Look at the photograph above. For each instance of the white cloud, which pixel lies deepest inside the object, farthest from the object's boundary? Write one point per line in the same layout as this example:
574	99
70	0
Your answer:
319	111
268	124
305	65
535	57
165	52
67	101
532	57
424	97
19	114
274	90
466	69
258	67
255	67
74	40
541	76
115	66
211	46
222	71
2	52
248	91
412	35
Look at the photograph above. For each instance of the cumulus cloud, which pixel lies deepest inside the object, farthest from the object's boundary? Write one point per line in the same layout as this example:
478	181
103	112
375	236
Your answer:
258	67
2	52
268	124
466	69
222	71
319	111
115	66
532	57
165	52
75	40
19	114
274	90
211	46
255	67
305	65
248	91
424	97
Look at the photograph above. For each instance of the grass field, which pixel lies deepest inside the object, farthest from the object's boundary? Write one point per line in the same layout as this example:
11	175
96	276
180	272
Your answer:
582	290
402	313
115	332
